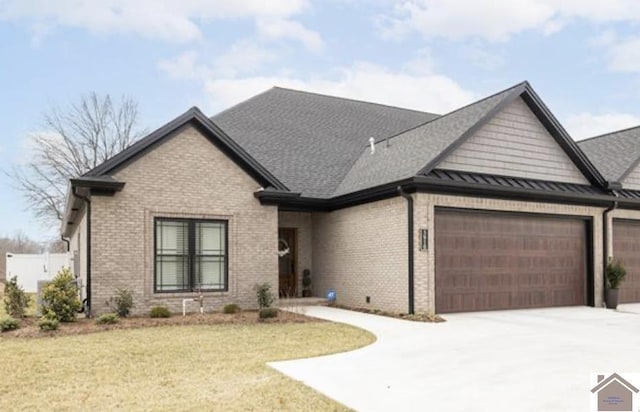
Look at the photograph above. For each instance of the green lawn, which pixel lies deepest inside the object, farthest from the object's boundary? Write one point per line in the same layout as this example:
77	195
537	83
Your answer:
170	368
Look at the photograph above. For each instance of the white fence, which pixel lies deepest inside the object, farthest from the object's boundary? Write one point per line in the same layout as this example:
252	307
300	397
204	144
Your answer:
29	269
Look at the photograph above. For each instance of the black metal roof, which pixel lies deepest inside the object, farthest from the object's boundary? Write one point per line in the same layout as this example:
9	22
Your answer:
518	183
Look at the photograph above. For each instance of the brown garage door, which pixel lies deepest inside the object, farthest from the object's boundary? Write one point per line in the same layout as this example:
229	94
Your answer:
487	261
626	247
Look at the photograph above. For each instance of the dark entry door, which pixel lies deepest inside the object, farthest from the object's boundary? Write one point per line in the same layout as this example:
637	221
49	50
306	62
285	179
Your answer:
287	262
488	261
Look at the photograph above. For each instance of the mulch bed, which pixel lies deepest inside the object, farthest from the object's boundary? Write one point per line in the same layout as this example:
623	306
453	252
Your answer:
417	317
29	326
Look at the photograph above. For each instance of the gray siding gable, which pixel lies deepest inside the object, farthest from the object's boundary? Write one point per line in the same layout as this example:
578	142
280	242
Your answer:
514	143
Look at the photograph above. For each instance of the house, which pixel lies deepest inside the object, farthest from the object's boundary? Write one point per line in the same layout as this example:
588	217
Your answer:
614	393
491	206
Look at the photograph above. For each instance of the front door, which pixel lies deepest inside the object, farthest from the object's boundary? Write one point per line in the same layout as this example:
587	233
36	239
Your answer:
287	262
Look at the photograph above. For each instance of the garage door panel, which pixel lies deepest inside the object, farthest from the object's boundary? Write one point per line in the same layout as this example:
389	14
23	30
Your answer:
626	247
487	261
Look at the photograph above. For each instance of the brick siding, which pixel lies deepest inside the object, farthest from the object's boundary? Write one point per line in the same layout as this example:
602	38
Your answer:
186	176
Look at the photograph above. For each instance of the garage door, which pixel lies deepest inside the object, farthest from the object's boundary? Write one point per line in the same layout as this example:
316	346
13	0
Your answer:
487	261
626	247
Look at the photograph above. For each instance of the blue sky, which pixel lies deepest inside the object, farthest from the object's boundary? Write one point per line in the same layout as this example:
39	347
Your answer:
583	58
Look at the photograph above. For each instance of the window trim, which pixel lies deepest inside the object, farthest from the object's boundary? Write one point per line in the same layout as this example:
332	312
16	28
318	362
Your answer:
191	253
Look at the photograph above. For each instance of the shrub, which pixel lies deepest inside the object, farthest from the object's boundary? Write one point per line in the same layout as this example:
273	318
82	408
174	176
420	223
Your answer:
231	308
264	295
123	301
48	324
9	324
15	299
107	319
268	313
159	312
614	273
60	297
306	279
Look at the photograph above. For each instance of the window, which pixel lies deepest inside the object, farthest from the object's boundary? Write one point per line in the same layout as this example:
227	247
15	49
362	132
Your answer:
190	255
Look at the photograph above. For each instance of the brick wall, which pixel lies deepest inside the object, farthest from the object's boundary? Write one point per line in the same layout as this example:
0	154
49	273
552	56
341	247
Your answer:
362	251
186	176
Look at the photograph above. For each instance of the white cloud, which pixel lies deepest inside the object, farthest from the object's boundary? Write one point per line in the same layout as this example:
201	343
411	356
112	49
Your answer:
483	58
287	29
365	81
499	20
169	20
624	55
183	66
244	56
583	125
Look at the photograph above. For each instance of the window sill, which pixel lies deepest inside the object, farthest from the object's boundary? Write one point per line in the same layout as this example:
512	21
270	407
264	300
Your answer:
185	295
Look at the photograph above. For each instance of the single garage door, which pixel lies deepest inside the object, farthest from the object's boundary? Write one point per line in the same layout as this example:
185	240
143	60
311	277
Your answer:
626	247
487	261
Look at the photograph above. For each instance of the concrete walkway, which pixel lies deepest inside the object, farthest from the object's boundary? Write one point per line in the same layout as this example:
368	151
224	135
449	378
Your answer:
525	360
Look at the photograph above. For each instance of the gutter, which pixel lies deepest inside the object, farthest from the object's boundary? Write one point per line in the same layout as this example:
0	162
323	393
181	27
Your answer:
296	202
87	200
606	240
66	240
410	246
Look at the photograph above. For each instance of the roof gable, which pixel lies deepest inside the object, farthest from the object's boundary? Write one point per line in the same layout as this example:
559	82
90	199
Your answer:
209	129
310	141
514	143
615	154
420	150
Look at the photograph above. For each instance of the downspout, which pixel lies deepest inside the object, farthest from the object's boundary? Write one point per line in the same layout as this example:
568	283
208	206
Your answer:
65	240
410	245
87	200
605	240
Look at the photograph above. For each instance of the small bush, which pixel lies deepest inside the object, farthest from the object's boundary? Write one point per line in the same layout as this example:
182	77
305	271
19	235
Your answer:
160	312
9	324
123	302
264	295
60	297
107	319
15	299
231	308
615	273
48	324
306	279
267	313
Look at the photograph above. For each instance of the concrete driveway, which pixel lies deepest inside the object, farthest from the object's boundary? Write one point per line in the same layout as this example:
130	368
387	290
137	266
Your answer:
524	360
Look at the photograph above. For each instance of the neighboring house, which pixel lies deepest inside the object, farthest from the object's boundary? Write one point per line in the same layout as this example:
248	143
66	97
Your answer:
491	206
31	268
617	156
614	393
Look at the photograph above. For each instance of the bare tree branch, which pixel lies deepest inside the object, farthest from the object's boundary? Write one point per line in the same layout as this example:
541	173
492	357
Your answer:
72	142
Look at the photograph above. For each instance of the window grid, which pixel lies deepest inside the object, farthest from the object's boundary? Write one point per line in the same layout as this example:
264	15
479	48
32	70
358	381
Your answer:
196	261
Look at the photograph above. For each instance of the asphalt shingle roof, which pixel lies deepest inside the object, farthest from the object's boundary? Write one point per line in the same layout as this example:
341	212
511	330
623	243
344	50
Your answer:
310	141
613	153
406	154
